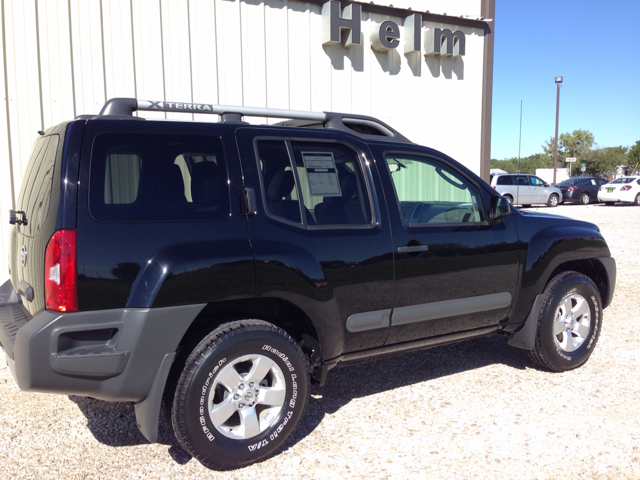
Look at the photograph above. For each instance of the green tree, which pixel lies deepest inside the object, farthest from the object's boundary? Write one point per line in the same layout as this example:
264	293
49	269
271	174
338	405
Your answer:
633	156
526	164
603	161
577	144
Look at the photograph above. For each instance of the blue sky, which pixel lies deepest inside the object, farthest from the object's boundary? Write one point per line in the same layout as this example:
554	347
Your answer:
594	45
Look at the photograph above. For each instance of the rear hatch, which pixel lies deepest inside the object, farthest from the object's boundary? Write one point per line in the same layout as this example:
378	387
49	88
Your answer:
37	204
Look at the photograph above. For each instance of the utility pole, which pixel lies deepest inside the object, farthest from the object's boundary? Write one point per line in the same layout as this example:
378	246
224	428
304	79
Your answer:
555	150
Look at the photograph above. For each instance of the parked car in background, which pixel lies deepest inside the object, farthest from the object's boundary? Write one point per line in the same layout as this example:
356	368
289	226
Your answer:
523	189
581	189
624	189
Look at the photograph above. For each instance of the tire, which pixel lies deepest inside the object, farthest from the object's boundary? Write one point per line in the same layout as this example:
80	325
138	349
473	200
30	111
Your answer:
242	392
509	198
585	199
637	200
609	203
553	200
569	323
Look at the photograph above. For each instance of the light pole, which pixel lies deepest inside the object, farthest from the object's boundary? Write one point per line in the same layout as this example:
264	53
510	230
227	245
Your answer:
555	150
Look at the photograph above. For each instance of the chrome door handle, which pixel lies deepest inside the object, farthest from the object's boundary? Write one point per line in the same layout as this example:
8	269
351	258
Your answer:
413	249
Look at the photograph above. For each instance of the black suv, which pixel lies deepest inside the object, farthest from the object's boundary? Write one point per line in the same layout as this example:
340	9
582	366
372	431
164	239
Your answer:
218	268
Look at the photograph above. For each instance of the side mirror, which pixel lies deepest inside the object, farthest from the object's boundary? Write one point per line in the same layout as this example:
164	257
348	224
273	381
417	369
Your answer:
499	208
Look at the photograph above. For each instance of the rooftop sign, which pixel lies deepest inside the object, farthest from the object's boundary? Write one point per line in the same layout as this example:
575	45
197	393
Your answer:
386	35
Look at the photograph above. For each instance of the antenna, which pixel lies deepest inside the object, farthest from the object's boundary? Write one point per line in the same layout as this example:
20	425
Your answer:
520	137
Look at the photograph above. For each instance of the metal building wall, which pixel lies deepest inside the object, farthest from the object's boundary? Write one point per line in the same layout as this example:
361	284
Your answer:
64	58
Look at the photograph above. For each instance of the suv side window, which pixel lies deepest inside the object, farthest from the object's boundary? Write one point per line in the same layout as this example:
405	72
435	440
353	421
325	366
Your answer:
157	177
430	192
521	180
505	180
537	182
313	183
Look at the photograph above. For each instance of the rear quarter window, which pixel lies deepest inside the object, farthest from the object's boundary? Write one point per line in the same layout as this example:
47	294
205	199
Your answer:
158	177
506	180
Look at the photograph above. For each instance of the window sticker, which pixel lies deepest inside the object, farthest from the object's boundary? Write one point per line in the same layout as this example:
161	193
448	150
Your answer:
322	174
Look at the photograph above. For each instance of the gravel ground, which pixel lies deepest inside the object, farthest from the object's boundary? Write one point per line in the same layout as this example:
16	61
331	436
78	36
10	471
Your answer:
477	409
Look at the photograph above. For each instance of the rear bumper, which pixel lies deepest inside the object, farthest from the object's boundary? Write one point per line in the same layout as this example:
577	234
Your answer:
109	354
616	196
13	316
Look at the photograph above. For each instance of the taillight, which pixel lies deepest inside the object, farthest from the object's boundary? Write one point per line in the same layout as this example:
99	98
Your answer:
625	188
494	187
571	189
60	272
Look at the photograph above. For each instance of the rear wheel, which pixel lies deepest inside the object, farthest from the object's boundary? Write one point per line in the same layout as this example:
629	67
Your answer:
242	392
568	323
585	199
637	200
553	200
510	198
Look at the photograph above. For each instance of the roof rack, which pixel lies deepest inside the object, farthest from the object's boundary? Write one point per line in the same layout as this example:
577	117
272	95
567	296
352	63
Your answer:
355	124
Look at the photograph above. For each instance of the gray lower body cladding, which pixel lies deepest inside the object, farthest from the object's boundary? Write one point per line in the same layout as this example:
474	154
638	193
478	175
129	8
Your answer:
108	354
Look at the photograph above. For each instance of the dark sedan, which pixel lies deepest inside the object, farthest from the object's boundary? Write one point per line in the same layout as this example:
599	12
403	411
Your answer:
581	189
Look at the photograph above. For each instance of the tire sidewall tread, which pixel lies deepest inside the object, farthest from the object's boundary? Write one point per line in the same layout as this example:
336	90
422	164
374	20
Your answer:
545	352
224	453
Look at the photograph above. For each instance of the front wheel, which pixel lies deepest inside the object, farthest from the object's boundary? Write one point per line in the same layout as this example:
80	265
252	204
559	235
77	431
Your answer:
585	199
637	200
242	392
553	200
568	323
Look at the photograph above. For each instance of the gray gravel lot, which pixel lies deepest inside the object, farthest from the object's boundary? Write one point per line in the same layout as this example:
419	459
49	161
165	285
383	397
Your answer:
478	409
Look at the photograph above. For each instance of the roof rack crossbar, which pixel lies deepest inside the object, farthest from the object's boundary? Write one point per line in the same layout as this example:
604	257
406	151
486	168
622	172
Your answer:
126	106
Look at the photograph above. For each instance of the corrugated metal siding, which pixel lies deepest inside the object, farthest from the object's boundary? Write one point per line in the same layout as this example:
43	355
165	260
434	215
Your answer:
63	58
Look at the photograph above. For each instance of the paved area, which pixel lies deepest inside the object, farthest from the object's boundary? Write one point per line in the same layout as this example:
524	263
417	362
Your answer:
477	409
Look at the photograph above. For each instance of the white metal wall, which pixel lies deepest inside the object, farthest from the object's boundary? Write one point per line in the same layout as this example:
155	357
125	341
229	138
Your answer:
63	58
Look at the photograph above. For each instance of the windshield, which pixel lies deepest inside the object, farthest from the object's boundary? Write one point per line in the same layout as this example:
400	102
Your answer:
623	180
570	181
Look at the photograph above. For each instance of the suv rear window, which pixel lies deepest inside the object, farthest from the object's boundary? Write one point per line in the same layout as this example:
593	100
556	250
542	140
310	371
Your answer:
35	194
158	177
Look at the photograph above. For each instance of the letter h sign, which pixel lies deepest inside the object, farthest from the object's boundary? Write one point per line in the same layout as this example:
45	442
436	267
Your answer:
333	23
